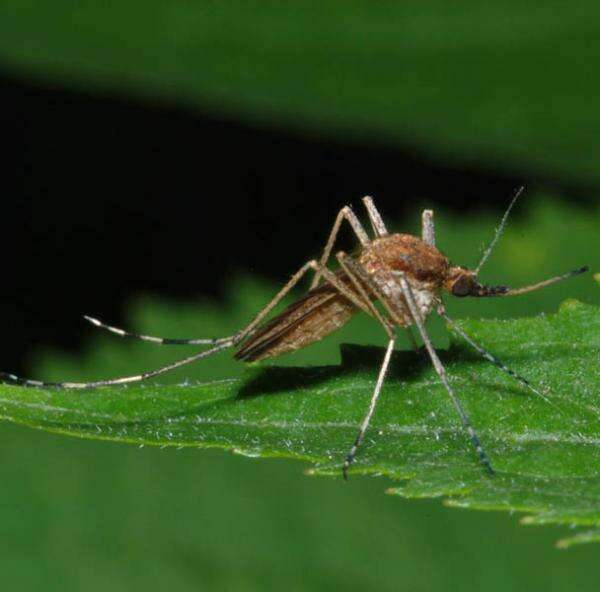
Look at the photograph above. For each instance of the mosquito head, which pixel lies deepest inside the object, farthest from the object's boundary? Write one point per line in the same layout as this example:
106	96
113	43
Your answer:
463	282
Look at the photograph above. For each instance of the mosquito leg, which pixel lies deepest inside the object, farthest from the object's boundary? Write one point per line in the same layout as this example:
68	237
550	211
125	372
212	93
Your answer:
151	338
360	300
343	260
441	310
359	272
309	265
441	371
220	345
367	419
122	380
428	228
345	213
377	223
354	270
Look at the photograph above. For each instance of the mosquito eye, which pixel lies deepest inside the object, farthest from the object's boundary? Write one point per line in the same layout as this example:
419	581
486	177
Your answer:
462	286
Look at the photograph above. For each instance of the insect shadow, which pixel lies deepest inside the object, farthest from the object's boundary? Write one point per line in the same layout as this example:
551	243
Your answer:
405	366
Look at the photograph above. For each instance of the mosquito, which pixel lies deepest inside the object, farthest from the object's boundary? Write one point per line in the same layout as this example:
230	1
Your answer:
404	274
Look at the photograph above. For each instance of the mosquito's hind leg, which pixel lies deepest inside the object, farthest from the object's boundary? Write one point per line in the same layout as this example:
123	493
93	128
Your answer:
441	371
427	227
345	213
222	344
152	338
4	376
310	265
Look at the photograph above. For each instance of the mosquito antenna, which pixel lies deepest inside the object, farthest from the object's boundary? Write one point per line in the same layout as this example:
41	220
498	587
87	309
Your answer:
499	230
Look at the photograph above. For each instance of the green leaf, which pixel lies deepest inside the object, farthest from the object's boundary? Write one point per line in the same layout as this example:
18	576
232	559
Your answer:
547	456
489	82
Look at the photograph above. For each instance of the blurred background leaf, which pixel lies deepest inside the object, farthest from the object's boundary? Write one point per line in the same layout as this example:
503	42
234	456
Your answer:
507	82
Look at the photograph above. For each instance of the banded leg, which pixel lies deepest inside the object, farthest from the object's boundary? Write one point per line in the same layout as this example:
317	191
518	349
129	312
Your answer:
203	341
367	419
377	224
441	371
345	213
224	343
427	227
121	380
310	265
151	338
441	310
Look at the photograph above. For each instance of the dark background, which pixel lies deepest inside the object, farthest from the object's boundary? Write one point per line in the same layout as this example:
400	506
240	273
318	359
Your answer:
105	198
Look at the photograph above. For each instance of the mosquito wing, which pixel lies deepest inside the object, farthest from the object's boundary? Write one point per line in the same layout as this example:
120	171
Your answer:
314	316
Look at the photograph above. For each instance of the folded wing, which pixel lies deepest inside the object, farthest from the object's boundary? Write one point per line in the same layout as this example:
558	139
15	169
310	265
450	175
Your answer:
314	316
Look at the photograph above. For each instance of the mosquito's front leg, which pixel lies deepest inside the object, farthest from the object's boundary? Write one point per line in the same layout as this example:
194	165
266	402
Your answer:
427	227
441	371
345	213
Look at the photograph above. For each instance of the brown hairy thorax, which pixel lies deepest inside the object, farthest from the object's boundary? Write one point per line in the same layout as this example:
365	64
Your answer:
409	254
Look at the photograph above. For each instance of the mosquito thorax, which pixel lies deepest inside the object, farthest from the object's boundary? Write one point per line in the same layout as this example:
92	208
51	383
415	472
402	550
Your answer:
409	254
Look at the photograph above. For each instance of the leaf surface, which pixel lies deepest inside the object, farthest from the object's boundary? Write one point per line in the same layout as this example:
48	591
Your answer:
547	456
